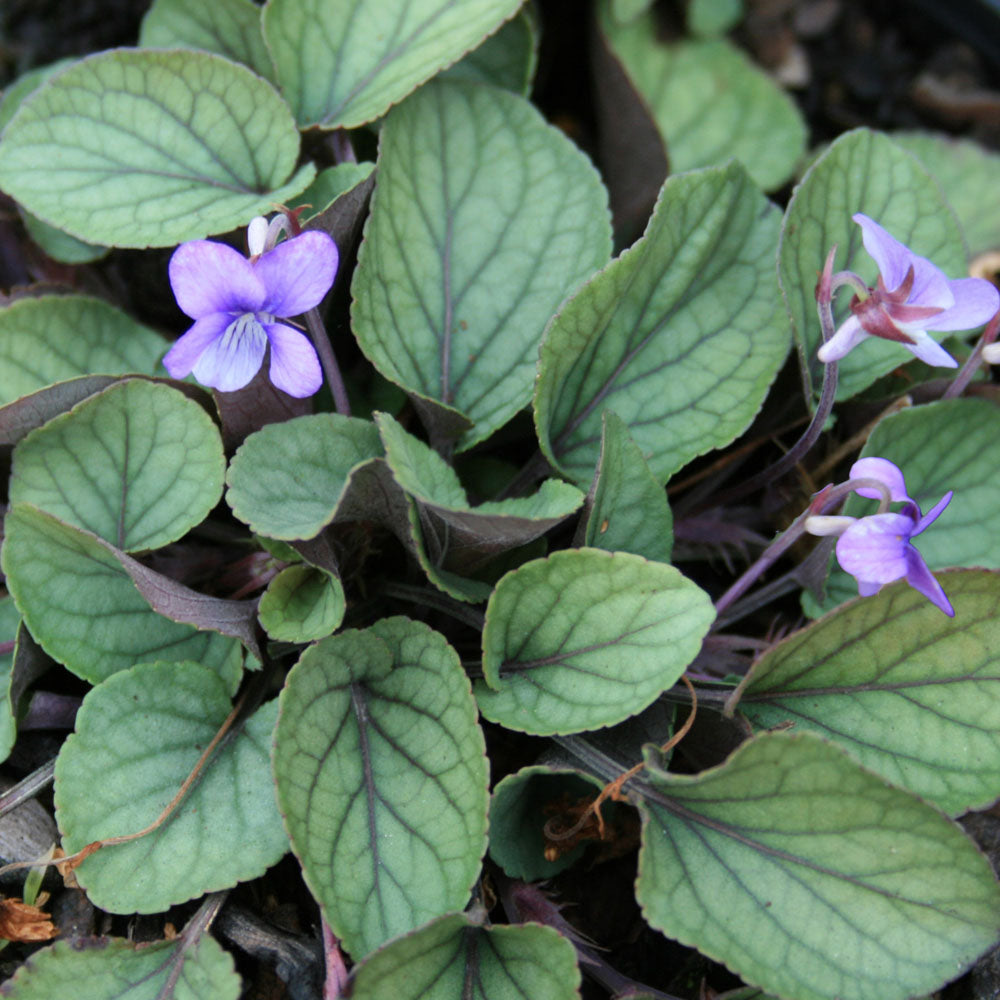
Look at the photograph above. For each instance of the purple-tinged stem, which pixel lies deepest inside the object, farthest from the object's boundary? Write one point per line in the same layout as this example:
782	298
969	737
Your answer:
321	341
964	377
828	284
335	985
824	501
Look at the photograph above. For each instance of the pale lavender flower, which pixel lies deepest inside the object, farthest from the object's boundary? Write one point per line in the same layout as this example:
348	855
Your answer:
238	305
876	549
912	297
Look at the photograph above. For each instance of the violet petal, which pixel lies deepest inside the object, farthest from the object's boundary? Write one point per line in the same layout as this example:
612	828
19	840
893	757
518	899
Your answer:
294	365
843	341
933	514
298	273
976	301
232	360
894	259
928	350
922	579
181	358
891	256
874	548
210	277
883	470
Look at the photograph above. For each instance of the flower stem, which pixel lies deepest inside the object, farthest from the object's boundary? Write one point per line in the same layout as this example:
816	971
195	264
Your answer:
824	306
321	341
823	501
964	377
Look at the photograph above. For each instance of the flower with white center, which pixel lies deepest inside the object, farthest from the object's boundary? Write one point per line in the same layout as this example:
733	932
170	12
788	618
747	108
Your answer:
239	305
911	298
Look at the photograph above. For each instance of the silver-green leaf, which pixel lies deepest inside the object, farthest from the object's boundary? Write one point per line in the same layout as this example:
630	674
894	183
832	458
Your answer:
811	877
143	147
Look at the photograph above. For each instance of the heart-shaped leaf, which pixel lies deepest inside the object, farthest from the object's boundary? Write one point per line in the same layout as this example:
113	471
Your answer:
482	201
862	171
681	335
586	638
286	480
83	608
341	65
143	147
138	736
302	603
912	694
229	28
381	775
58	337
455	956
710	101
111	969
138	464
811	877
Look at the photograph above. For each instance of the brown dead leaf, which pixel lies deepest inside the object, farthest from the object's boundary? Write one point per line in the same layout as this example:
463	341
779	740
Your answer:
21	922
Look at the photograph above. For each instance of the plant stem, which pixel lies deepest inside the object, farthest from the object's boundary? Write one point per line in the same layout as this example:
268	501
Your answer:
964	377
321	341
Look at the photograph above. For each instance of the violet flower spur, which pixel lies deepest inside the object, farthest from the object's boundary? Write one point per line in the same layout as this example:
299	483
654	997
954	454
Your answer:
911	297
876	549
238	307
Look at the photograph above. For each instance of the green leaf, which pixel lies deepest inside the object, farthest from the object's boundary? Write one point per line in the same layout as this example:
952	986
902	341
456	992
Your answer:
229	28
61	246
57	337
302	603
522	805
710	102
713	17
508	58
586	638
138	464
381	775
862	171
27	413
964	432
484	219
10	620
26	84
455	956
138	736
329	185
84	610
681	335
628	509
142	147
963	168
113	969
468	535
812	878
341	65
287	480
624	11
912	694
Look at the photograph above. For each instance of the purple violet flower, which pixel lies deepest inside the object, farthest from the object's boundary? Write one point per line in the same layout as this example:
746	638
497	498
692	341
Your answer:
876	549
911	297
238	304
